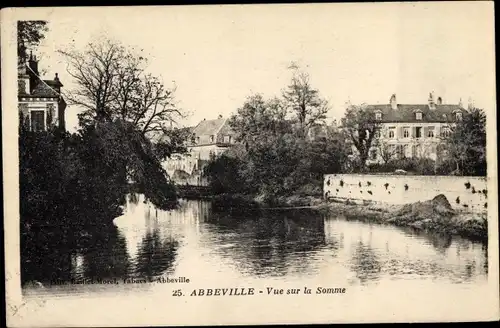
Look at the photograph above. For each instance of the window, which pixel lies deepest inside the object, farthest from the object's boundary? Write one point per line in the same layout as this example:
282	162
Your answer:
198	140
211	138
418	116
37	120
406	132
377	134
391	133
459	116
418	132
430	132
373	154
227	139
445	132
378	116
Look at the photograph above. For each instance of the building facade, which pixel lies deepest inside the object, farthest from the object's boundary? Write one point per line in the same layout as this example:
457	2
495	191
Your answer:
412	130
208	138
39	101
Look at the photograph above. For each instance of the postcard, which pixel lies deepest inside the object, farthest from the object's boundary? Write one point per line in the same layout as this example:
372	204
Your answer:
250	164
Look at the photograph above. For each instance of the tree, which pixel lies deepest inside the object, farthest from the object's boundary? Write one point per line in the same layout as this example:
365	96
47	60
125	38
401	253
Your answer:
172	141
29	35
304	101
360	127
386	151
258	120
111	82
466	145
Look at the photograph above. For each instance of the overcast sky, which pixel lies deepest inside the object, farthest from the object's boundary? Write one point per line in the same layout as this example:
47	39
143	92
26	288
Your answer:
218	55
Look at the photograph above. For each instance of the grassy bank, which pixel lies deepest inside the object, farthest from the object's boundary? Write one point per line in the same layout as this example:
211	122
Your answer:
432	215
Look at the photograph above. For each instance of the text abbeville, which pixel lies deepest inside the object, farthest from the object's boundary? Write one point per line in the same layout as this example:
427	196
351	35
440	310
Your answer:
223	292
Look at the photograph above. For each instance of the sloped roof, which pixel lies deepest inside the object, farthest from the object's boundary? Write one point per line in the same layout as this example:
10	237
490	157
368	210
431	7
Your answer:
226	130
406	112
43	90
208	127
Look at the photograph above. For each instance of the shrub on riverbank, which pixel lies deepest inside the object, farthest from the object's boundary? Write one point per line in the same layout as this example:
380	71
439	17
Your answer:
431	215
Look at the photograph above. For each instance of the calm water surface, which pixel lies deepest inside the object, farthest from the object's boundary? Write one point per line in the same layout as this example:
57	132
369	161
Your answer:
205	244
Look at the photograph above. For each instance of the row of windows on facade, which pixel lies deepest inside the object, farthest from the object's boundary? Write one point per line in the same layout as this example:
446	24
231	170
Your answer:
402	151
196	140
418	116
430	133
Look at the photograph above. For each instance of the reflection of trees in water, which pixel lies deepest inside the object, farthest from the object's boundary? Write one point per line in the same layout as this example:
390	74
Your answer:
133	198
50	254
484	247
365	263
269	242
156	255
105	255
46	255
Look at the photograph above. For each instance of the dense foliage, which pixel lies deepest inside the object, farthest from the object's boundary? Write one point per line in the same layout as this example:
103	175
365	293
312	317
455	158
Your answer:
82	178
71	179
29	35
278	155
466	146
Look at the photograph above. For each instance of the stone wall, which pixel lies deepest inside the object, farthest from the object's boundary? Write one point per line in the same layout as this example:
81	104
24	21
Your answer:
464	193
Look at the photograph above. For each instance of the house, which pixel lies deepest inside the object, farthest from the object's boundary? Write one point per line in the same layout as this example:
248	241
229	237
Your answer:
412	130
208	138
39	101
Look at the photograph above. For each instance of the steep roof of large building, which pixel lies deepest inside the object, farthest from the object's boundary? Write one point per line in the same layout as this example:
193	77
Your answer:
406	112
208	127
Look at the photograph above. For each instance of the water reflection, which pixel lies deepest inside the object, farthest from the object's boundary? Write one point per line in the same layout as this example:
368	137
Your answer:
301	244
365	263
266	243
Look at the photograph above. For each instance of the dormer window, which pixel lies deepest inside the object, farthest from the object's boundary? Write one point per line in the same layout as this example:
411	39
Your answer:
458	116
378	116
418	116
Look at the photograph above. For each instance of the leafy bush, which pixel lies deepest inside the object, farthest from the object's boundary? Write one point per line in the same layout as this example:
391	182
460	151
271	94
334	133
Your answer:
81	179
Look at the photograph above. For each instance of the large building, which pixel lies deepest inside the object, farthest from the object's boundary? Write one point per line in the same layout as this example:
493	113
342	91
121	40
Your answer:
208	138
412	130
40	101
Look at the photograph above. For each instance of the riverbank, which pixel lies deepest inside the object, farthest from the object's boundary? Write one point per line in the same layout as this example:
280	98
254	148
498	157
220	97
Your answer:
432	215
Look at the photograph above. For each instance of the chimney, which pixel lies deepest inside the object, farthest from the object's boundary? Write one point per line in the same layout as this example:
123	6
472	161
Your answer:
440	101
460	103
432	104
220	116
393	102
33	71
470	105
33	63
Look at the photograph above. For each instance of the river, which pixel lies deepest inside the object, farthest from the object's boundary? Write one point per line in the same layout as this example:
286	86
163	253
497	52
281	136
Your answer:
215	248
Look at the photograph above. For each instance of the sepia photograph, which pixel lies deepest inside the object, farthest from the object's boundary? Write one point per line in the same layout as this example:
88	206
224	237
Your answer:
250	164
